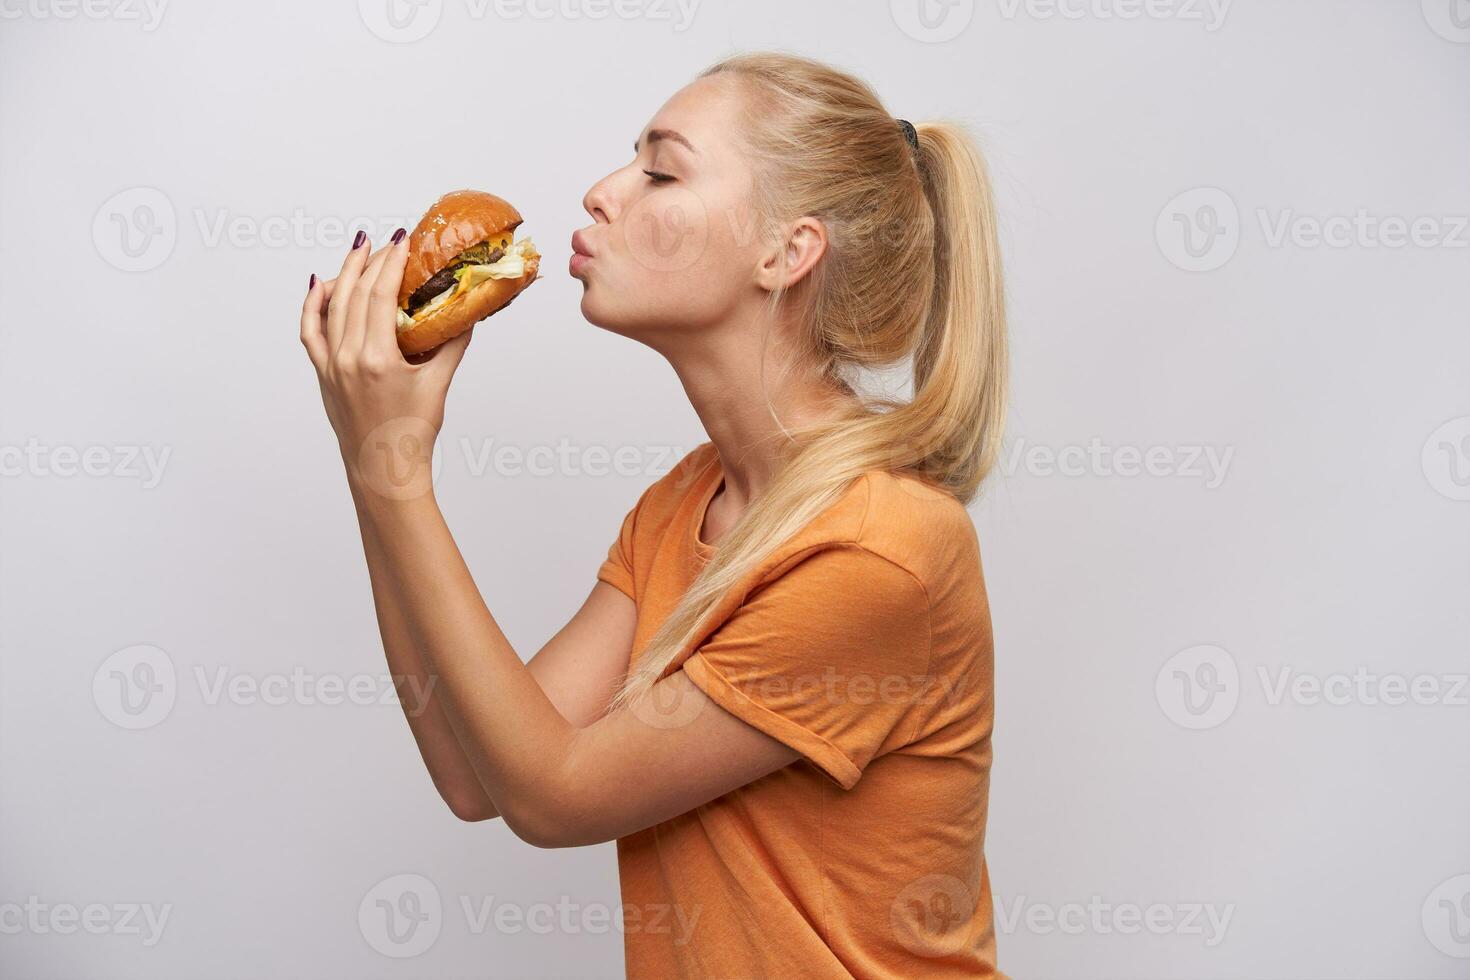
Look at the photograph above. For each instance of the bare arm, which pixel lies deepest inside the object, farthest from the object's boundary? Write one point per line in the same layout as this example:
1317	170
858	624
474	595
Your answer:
564	773
555	768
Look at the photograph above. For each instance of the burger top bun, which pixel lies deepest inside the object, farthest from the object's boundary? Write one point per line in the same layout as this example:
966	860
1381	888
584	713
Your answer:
457	221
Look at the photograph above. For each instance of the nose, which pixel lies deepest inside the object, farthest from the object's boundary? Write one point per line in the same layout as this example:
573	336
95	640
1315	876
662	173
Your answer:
598	200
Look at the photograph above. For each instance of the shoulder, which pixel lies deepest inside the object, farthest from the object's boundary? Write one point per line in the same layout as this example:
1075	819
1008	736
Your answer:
921	528
887	528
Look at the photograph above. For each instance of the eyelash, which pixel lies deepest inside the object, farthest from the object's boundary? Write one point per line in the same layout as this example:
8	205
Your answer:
657	177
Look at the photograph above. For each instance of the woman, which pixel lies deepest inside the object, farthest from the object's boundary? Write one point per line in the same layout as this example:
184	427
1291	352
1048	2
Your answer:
777	697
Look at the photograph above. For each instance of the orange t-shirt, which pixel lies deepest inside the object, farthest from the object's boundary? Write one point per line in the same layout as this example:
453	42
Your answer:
864	643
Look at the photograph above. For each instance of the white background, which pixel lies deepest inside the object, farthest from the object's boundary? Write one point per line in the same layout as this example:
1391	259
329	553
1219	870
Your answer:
1330	382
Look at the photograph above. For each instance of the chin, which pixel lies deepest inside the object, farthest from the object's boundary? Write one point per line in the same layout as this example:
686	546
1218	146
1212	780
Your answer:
661	308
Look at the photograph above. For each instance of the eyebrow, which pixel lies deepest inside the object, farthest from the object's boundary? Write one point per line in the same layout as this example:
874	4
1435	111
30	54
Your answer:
654	135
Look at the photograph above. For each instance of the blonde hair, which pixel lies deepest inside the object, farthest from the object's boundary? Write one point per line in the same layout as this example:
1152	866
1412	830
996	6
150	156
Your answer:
913	270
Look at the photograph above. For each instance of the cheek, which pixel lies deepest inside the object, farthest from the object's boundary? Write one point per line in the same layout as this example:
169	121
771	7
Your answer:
667	232
676	256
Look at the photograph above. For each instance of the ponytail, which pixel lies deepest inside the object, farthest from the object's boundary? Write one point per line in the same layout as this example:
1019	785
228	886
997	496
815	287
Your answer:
834	151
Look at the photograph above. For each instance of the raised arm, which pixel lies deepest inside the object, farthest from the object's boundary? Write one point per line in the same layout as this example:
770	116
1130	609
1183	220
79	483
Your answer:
544	757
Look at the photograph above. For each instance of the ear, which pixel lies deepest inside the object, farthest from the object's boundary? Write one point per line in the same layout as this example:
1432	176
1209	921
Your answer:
798	248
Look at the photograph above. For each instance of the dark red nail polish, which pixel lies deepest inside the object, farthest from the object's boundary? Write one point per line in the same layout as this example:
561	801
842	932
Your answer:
398	235
311	285
361	237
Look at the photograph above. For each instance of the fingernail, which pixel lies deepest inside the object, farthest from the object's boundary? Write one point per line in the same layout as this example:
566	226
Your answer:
361	237
398	235
311	285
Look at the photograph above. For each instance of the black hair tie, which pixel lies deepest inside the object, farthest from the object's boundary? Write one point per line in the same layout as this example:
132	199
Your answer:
909	133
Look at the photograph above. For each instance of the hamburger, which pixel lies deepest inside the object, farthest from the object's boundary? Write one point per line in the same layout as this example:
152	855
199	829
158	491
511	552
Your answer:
463	265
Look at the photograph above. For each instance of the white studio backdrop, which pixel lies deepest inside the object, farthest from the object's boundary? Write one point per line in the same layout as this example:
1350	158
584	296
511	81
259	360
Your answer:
1226	554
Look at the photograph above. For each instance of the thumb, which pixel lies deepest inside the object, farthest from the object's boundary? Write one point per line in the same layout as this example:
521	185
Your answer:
446	357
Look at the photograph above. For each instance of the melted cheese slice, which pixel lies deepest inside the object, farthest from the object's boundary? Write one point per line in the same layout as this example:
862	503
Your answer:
511	265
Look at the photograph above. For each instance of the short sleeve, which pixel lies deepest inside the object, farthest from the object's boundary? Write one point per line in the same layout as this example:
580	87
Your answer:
617	568
829	658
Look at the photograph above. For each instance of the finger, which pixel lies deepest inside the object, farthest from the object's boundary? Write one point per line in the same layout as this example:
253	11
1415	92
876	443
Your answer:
352	266
382	318
446	357
358	306
313	327
314	320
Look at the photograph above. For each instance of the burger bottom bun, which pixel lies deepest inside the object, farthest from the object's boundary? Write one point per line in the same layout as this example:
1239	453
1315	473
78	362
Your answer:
455	318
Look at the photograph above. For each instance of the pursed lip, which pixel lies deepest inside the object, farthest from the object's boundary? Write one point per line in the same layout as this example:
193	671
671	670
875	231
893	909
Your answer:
579	244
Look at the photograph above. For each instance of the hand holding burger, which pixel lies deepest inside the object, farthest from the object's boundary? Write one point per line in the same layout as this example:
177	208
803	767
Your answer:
364	330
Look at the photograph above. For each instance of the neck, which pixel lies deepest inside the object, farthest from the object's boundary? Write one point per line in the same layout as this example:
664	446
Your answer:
728	378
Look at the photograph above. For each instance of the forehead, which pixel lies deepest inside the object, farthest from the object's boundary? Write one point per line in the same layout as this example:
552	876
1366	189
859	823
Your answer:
707	112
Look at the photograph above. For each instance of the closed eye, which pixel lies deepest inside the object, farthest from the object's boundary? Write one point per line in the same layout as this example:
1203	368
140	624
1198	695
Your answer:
657	177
